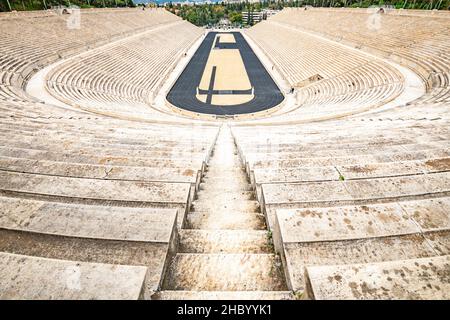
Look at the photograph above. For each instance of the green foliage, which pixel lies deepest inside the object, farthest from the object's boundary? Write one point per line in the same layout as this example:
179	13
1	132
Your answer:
235	17
407	4
22	5
211	13
299	295
270	245
200	15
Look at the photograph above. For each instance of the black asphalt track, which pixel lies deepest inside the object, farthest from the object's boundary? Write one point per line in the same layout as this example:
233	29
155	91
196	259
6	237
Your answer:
266	92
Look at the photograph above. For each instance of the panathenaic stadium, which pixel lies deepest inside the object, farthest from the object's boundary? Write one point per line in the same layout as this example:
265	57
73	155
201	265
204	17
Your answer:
305	157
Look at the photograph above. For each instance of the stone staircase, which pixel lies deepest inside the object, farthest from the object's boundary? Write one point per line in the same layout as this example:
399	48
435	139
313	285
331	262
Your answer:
225	251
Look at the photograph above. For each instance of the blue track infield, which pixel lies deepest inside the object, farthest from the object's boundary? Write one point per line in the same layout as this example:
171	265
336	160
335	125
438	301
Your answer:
266	92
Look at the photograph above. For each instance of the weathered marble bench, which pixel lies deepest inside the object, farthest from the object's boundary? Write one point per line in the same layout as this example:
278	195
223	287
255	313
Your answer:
360	234
31	278
425	278
95	191
90	233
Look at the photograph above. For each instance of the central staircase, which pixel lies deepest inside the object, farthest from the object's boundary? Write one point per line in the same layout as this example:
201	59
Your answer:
225	251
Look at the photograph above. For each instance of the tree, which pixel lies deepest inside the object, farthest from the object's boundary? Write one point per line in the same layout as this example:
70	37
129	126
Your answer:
235	17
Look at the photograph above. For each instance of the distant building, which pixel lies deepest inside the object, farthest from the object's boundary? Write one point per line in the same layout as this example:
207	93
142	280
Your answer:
268	13
224	23
240	1
181	3
253	17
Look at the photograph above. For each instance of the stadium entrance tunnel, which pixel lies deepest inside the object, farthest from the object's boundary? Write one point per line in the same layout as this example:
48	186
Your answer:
225	77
